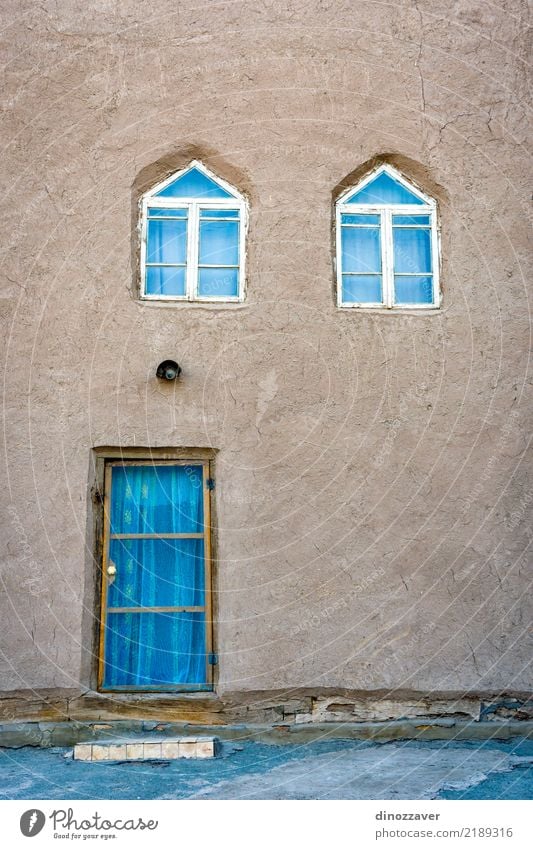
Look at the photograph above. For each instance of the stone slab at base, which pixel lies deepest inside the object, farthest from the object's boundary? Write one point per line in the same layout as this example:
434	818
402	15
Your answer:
15	735
143	750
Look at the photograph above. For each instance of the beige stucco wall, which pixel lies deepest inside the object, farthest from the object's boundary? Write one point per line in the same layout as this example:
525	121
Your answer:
371	499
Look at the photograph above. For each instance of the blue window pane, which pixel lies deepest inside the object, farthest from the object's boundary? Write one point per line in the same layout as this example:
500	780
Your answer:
165	281
157	573
419	220
219	243
219	213
194	184
157	499
360	219
361	289
413	290
361	249
155	212
383	189
167	241
154	649
218	282
412	251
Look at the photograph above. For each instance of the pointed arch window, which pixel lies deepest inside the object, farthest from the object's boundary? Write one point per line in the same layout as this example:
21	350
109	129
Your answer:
192	238
387	244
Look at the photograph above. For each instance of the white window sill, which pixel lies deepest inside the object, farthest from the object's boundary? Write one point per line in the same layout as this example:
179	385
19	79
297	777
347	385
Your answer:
393	310
182	304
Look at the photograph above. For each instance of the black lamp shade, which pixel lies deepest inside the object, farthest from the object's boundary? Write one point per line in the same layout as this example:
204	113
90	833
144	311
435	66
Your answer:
168	370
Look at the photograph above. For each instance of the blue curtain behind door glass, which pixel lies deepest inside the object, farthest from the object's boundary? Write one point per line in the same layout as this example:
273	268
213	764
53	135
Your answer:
158	649
155	650
157	500
157	573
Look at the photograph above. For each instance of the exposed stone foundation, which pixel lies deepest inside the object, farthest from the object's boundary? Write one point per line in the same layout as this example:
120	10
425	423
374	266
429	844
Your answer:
284	707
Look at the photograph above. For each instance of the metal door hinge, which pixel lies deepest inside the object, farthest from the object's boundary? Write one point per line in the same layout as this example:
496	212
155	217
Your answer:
212	659
210	483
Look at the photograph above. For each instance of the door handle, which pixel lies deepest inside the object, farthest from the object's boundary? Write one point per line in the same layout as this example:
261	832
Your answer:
111	571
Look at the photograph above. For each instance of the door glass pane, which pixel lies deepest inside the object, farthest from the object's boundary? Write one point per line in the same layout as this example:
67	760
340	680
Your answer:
361	249
165	280
361	289
219	243
167	241
412	251
413	290
157	499
157	573
218	282
154	649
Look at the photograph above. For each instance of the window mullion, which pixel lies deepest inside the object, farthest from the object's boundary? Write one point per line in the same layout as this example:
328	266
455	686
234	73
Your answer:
144	237
192	252
242	249
388	258
338	255
435	259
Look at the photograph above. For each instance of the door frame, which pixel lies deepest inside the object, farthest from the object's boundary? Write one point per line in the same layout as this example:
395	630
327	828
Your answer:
106	459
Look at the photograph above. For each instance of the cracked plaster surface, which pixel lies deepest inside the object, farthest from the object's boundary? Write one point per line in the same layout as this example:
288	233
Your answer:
371	509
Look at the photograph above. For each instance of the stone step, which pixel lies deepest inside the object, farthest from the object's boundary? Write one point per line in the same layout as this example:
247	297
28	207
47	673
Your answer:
165	749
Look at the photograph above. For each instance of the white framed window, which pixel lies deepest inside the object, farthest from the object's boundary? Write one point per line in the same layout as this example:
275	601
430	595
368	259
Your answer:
387	244
193	230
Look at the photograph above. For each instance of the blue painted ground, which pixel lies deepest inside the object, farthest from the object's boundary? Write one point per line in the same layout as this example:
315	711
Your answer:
325	769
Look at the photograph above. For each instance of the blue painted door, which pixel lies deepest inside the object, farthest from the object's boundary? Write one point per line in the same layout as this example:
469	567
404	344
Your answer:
156	619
